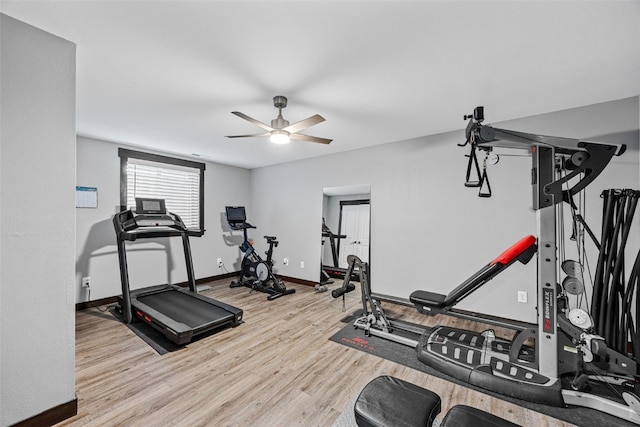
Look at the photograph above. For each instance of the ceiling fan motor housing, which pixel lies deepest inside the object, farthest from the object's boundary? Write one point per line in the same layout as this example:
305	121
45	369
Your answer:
279	123
280	101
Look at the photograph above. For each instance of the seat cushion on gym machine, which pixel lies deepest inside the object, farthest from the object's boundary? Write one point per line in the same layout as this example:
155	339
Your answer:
426	298
462	415
391	402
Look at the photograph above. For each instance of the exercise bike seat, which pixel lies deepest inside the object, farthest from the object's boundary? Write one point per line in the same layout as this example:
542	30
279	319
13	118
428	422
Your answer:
433	303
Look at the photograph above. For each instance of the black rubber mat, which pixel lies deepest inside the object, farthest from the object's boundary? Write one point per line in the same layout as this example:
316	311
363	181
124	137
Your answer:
406	356
156	339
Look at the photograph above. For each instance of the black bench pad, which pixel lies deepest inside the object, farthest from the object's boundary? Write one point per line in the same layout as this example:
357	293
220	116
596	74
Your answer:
426	298
391	402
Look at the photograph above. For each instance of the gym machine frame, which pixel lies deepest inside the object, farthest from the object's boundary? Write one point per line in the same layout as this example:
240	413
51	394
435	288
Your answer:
374	320
566	348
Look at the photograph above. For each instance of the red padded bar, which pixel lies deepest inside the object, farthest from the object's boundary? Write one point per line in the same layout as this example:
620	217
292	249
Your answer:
514	251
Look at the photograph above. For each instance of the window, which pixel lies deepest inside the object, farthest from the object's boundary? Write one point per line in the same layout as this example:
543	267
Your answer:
179	182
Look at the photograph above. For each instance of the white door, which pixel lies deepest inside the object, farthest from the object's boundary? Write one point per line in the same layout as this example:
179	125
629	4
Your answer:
355	225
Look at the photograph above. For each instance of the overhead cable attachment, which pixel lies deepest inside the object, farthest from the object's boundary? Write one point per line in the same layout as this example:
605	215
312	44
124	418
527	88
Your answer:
584	159
485	186
476	177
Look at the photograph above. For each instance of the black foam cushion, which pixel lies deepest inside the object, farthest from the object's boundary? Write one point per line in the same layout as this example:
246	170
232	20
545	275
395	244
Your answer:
427	298
462	415
391	402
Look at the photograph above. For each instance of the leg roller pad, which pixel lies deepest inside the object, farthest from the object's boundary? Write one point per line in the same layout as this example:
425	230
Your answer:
462	415
391	402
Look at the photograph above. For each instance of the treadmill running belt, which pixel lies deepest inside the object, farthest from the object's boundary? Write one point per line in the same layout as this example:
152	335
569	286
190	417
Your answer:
184	308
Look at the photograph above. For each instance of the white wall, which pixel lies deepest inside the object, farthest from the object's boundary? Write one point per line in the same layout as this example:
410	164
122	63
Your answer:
37	309
160	261
427	230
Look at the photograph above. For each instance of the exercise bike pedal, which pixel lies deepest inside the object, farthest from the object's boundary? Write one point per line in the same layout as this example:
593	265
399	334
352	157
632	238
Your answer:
279	285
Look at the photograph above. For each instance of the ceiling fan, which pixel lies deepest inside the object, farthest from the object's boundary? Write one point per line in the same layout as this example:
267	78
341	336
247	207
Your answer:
280	131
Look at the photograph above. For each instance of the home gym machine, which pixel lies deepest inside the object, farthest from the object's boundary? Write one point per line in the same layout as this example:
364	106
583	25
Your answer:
569	363
180	314
255	273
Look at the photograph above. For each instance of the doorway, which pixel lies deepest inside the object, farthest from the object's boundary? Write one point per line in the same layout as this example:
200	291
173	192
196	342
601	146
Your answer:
354	224
346	227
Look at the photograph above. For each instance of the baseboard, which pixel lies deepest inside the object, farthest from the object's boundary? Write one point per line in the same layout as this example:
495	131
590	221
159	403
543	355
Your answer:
95	303
298	281
280	276
112	300
51	416
216	277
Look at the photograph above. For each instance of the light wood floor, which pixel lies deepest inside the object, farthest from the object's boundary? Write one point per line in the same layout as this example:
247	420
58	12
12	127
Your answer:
276	369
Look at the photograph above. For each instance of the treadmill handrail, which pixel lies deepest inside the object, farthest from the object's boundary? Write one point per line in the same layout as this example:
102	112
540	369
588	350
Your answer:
126	229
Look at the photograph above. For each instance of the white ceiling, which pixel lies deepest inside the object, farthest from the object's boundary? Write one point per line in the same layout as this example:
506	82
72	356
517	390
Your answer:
167	74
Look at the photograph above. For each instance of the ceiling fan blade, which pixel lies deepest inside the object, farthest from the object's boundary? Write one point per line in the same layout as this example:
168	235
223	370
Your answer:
248	136
303	124
252	120
301	137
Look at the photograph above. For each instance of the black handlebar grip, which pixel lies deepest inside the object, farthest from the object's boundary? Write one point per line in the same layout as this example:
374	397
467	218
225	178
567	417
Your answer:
337	293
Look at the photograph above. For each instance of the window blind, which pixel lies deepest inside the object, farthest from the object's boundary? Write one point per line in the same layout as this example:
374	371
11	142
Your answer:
179	186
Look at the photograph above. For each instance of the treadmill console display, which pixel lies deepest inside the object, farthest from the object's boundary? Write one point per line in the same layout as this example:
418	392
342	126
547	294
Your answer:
150	206
152	213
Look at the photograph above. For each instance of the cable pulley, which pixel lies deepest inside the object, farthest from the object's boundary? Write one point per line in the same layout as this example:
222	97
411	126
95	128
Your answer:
480	178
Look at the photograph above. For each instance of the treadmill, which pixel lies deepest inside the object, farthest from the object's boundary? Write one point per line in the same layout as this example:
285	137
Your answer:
179	313
332	271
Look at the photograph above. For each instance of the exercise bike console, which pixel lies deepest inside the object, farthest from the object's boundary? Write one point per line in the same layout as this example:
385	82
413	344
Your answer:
237	218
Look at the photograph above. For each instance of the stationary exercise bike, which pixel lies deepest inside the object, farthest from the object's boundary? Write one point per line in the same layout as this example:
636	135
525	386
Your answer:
255	273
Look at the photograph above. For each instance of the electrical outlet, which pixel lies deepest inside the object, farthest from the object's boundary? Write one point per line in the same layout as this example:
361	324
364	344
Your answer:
86	281
285	261
219	262
301	264
522	297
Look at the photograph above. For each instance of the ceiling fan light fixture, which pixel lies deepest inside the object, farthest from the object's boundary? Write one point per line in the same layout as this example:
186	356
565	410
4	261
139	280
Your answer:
281	131
280	137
